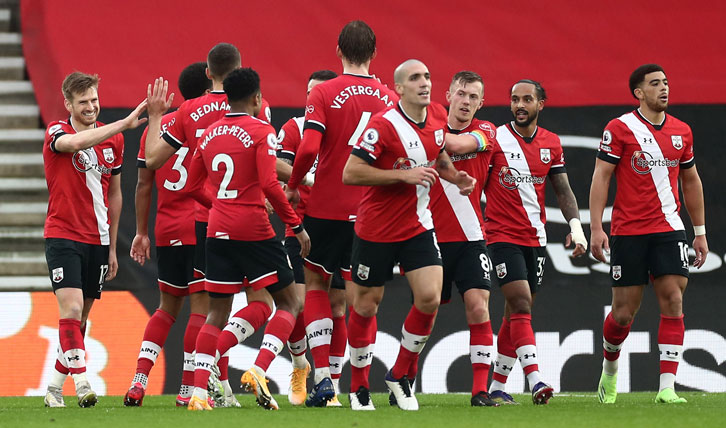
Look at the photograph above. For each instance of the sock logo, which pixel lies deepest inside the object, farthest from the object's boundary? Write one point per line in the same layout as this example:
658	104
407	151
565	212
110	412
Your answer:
528	356
483	354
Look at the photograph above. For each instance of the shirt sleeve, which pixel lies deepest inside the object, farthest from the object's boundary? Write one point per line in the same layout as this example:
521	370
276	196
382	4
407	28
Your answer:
267	176
611	145
141	156
371	143
288	141
315	111
174	134
688	159
54	132
118	148
558	158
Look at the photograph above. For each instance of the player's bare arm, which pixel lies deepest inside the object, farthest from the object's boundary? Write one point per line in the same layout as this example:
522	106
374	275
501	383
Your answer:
358	172
71	143
598	198
157	151
141	245
447	171
568	205
461	143
693	199
115	202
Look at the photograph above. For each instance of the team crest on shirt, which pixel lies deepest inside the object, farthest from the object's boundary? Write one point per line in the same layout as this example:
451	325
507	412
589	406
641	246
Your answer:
57	275
439	137
363	272
108	155
617	272
545	156
677	141
501	270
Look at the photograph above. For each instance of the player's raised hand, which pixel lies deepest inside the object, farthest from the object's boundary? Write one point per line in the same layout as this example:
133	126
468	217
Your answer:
304	240
156	93
140	249
420	176
465	183
700	246
133	120
599	245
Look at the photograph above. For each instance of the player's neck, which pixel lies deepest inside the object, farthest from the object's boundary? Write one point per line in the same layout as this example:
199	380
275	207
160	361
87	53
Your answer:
458	125
79	126
525	131
415	112
217	86
360	69
652	116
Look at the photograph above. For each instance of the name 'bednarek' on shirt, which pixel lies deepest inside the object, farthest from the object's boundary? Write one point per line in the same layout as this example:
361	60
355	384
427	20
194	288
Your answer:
233	130
208	108
352	90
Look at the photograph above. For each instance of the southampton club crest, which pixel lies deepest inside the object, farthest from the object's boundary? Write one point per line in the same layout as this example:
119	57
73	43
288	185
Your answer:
501	270
108	155
545	156
57	275
617	272
363	272
677	141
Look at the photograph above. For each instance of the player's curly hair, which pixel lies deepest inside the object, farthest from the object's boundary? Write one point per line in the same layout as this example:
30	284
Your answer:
193	80
638	76
323	75
357	42
78	83
241	84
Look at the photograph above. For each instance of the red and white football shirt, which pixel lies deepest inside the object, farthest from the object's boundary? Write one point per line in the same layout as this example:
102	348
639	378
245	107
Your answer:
237	153
515	190
289	139
458	218
339	108
174	210
78	186
399	211
193	118
648	158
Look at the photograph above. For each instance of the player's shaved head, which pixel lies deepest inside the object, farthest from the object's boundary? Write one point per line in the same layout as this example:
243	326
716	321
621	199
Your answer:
193	81
403	70
222	59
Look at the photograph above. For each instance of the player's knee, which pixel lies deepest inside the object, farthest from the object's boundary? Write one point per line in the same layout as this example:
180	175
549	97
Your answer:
428	303
476	314
520	305
623	315
672	304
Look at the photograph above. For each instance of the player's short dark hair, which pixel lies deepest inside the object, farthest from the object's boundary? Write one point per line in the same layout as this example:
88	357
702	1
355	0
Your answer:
357	42
78	83
222	59
241	84
538	89
323	75
638	76
466	77
193	80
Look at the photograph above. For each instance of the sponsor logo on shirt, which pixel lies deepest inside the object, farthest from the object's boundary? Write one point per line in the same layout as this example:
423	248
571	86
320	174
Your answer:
456	158
488	128
510	178
643	162
408	163
86	160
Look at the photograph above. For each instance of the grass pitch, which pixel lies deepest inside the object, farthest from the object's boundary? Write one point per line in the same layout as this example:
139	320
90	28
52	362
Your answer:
437	410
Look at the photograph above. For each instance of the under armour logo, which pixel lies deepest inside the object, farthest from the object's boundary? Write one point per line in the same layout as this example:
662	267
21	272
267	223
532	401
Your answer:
647	140
74	358
418	342
336	365
505	367
515	156
674	353
483	354
528	356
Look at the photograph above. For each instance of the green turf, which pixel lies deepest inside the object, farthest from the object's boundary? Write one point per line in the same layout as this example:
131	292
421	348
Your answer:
452	410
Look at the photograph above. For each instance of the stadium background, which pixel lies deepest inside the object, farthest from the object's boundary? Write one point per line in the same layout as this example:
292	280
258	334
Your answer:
582	55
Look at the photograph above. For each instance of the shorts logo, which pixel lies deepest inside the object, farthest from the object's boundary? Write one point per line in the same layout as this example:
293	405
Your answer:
607	138
363	272
501	270
617	272
58	274
545	155
108	155
677	141
439	137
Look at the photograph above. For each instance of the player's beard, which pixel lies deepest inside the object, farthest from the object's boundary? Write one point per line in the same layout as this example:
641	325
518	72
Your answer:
531	117
656	105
